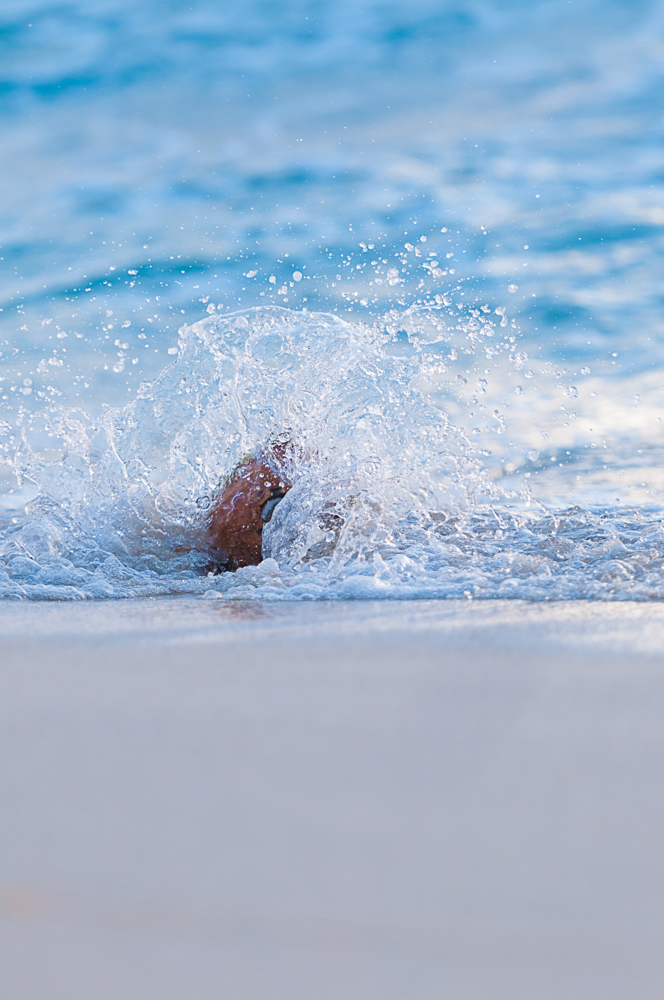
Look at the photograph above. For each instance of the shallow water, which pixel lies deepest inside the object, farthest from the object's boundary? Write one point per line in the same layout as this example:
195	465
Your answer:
422	243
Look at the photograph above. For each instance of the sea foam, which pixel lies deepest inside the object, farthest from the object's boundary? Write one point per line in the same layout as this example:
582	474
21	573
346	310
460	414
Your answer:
389	498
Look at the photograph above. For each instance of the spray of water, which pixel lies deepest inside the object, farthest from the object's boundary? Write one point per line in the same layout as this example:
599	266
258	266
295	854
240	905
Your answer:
389	497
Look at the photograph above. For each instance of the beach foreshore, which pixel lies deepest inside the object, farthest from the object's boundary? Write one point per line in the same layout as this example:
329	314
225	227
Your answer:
381	800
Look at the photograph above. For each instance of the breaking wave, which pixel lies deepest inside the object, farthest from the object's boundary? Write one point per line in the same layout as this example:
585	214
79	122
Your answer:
389	497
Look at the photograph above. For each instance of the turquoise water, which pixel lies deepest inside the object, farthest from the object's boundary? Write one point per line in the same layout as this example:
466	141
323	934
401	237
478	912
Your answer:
449	216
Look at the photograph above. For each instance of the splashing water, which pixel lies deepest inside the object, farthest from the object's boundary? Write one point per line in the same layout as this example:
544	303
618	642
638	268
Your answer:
389	496
166	160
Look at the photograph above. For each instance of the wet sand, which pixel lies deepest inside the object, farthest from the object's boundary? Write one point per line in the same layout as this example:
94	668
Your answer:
372	800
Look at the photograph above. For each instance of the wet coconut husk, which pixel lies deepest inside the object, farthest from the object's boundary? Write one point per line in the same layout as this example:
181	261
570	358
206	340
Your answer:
244	506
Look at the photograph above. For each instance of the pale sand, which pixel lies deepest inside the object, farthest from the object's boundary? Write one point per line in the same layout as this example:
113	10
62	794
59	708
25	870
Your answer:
399	801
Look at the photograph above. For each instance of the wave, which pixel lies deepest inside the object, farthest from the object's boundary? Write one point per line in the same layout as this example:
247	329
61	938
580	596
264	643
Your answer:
389	497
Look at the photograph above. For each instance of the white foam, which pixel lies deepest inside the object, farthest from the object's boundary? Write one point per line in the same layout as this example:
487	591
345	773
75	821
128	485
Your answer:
389	499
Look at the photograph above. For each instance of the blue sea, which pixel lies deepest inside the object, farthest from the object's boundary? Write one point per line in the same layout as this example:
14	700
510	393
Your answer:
424	241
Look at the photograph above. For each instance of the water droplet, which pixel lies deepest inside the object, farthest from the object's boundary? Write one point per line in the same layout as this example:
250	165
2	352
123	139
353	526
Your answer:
518	358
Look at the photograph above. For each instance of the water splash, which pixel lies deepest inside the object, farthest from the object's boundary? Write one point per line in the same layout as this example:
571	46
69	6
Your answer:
389	496
122	500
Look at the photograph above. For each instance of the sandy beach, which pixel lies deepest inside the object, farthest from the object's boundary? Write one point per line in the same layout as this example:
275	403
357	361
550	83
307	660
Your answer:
383	800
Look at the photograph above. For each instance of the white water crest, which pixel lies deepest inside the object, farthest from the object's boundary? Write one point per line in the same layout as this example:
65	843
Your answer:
390	498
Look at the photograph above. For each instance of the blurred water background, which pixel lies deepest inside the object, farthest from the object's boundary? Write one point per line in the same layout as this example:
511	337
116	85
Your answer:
495	161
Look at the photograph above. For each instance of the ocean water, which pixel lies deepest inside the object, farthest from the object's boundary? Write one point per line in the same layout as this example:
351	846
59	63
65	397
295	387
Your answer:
421	241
